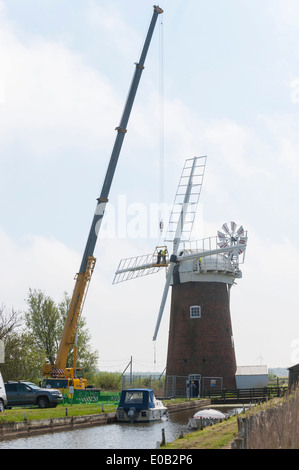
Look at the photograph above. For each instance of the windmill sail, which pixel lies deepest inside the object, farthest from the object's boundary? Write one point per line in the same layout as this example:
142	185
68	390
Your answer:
191	180
180	222
130	268
194	168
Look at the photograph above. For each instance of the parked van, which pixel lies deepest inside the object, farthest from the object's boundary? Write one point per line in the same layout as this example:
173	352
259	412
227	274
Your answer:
3	398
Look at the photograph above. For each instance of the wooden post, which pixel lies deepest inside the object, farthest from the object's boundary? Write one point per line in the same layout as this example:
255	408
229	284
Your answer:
239	443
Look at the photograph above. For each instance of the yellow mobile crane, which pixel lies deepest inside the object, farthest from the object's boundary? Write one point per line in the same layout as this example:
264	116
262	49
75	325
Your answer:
57	375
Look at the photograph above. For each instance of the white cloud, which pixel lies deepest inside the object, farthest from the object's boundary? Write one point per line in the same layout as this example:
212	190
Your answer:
37	263
295	90
108	21
267	320
285	140
51	96
286	13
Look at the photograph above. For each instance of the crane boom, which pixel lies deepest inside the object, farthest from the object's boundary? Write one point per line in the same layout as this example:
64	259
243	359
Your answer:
88	261
121	131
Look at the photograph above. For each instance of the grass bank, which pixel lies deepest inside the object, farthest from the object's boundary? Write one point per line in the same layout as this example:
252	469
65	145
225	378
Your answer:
281	425
212	437
17	414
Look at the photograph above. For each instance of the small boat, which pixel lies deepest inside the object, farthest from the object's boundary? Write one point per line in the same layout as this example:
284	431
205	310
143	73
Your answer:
139	405
209	413
206	417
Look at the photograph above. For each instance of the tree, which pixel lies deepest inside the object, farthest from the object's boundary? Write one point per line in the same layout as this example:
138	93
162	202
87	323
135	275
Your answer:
45	322
22	359
42	321
9	321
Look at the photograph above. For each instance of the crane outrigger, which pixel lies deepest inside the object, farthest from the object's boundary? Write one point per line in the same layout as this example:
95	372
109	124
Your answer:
74	375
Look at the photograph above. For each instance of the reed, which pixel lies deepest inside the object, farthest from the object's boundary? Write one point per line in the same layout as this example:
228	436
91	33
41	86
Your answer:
277	425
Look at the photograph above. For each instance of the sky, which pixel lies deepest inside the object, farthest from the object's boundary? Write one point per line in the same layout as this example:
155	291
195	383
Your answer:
225	78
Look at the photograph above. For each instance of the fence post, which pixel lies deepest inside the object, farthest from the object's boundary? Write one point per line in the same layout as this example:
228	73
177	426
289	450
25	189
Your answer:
238	443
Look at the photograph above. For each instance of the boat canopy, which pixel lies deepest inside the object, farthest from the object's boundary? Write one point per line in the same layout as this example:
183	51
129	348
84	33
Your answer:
138	398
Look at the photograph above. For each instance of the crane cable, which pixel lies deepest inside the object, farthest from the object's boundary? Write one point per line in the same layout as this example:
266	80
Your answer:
161	124
161	140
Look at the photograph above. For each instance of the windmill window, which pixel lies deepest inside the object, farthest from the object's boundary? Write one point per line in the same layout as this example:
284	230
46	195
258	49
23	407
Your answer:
195	311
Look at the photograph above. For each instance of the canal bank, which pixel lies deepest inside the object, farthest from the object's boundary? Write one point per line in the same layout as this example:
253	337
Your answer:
10	430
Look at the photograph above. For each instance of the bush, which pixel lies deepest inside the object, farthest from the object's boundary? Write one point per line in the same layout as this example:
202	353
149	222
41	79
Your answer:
108	381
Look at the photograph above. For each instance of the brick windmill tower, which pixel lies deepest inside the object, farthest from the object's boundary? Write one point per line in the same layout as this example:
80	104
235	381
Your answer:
201	273
200	344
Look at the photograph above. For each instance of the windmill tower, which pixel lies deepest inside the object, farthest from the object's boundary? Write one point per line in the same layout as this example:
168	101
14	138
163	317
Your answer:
200	343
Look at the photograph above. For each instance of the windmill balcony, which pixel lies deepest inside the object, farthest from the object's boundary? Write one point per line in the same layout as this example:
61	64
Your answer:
212	268
214	263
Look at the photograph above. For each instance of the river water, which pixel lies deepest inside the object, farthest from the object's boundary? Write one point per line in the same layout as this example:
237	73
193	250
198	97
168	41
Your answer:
108	436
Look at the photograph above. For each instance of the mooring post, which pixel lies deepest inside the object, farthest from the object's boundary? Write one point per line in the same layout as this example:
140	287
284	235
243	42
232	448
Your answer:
163	437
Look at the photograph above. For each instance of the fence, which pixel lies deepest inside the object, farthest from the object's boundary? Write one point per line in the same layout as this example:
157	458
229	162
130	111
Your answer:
163	386
210	384
275	427
175	386
89	396
244	394
166	386
155	382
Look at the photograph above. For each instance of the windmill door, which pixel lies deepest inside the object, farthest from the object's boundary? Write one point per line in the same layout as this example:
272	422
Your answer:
193	385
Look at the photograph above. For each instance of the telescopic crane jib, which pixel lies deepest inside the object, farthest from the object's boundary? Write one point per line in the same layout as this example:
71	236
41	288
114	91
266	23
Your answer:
88	261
